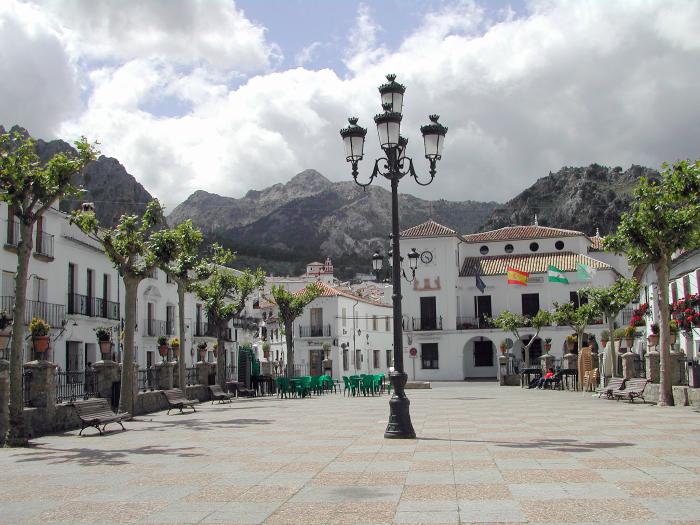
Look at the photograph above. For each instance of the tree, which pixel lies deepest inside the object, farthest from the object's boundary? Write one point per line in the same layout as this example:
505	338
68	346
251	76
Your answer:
127	246
577	318
512	322
224	292
610	301
30	188
176	251
664	217
290	307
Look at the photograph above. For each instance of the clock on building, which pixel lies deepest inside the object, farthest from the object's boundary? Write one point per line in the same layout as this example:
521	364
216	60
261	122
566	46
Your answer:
426	257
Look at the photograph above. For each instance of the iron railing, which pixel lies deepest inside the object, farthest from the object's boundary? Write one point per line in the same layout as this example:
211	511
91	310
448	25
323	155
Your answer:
74	385
54	314
154	328
230	372
423	323
44	244
315	331
191	374
92	307
626	316
202	329
472	323
170	327
147	380
299	370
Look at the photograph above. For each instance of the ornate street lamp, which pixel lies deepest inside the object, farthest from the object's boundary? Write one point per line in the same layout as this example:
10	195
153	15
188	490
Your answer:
394	166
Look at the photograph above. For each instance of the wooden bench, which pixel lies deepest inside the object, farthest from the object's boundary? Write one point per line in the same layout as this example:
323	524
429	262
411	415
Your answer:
176	399
616	383
634	388
218	394
95	412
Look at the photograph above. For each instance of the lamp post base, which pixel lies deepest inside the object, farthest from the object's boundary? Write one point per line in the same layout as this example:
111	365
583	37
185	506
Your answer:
399	426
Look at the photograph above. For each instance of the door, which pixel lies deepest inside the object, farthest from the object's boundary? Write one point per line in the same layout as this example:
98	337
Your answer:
315	362
71	289
73	357
105	295
90	292
428	313
482	306
530	304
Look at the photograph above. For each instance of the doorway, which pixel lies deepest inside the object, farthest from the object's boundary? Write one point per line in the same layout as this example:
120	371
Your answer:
428	313
315	362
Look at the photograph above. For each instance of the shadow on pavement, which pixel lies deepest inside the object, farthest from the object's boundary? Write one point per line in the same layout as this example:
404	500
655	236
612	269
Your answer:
559	445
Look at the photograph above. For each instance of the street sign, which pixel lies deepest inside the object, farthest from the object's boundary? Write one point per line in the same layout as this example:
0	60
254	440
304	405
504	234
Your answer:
413	352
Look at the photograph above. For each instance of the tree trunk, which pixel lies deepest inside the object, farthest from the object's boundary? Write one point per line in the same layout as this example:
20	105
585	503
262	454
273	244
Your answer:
665	388
181	364
126	394
289	338
221	354
18	435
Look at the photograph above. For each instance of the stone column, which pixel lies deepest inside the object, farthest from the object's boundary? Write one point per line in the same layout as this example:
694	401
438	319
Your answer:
502	369
42	384
176	375
546	362
628	365
107	374
164	375
4	400
203	373
677	368
653	364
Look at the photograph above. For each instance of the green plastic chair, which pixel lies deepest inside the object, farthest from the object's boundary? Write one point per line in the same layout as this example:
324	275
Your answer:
304	387
315	384
367	385
283	387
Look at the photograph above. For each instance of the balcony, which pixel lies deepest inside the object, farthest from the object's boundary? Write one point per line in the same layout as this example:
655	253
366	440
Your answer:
472	323
54	314
202	329
92	307
315	331
154	328
44	245
419	324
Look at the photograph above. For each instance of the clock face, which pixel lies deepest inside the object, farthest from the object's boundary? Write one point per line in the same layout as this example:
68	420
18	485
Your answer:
426	257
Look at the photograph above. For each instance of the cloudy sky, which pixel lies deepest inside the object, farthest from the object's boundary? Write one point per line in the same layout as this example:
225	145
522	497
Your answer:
229	96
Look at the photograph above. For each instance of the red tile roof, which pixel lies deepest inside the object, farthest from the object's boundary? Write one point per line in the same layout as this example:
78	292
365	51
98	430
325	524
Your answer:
515	233
533	263
330	291
596	243
429	228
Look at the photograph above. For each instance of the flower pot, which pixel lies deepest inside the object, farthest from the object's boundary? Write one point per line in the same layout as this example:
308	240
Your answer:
503	349
5	335
547	347
266	354
176	351
202	354
40	343
604	342
163	350
653	339
105	348
629	341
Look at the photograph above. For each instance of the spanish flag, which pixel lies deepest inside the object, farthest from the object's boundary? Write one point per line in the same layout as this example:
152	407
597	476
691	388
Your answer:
517	276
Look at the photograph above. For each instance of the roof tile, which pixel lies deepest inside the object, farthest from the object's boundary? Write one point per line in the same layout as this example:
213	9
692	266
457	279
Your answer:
531	263
330	291
514	233
429	228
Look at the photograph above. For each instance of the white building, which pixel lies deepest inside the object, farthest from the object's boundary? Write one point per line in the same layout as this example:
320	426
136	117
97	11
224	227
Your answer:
444	312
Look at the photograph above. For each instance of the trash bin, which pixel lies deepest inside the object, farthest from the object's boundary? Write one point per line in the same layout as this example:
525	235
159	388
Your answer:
693	374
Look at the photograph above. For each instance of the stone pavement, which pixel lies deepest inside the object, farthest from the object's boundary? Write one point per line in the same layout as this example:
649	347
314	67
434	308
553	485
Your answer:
484	454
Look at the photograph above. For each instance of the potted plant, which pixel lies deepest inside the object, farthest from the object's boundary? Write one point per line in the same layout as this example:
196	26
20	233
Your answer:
503	346
653	337
547	344
266	350
629	336
175	345
5	329
104	340
604	337
163	346
39	330
673	328
571	342
202	348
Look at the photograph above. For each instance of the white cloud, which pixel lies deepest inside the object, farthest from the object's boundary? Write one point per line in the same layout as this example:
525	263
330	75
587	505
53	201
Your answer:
567	84
307	54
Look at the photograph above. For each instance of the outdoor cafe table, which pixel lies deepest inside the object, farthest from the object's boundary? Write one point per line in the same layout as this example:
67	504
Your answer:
536	371
567	373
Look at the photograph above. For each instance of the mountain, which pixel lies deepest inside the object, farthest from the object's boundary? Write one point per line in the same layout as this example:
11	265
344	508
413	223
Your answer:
311	217
582	199
106	182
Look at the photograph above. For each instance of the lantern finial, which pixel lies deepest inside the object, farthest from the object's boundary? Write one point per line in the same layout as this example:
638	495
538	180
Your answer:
391	77
387	106
434	118
353	121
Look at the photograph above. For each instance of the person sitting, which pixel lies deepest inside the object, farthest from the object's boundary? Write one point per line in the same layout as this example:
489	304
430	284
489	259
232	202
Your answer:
543	381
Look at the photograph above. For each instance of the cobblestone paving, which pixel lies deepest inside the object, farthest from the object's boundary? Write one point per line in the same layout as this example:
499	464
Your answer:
484	455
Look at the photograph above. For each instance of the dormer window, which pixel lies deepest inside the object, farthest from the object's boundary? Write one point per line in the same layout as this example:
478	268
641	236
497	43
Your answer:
484	250
534	246
509	248
559	245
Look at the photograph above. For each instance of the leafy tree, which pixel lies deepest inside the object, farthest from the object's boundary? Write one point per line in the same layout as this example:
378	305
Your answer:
176	252
611	301
578	318
664	218
30	188
127	246
290	307
513	323
224	292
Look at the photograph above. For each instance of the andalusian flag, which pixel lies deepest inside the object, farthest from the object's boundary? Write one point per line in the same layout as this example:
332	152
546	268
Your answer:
516	276
555	275
584	272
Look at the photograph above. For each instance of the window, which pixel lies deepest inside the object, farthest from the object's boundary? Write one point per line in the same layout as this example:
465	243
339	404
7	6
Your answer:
577	299
168	279
358	359
374	323
534	246
389	358
484	250
559	245
170	319
150	320
12	227
530	303
387	324
483	353
375	359
697	281
509	248
429	355
674	292
346	364
90	291
686	286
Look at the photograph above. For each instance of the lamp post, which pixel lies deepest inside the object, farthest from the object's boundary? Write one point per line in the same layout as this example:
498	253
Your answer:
394	166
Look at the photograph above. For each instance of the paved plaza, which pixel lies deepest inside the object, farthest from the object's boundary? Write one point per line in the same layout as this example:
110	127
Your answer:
484	454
